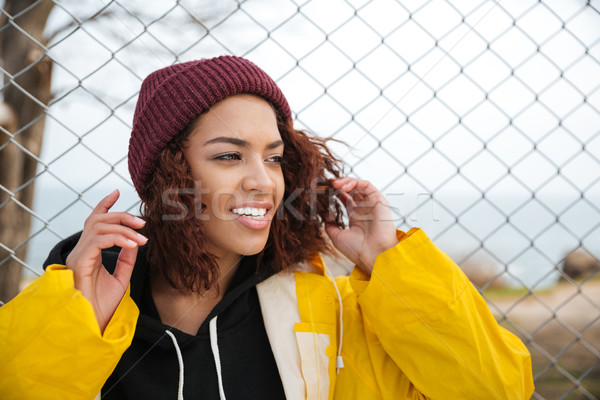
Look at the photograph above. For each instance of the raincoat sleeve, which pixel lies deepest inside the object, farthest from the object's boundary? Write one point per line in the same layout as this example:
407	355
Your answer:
437	328
50	343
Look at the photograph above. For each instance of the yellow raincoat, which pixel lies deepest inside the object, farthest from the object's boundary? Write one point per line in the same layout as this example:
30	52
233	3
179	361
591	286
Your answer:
416	329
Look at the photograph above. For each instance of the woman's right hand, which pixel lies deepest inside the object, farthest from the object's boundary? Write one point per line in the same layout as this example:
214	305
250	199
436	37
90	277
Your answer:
103	230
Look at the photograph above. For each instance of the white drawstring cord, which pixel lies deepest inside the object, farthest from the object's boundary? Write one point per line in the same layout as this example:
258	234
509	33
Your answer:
339	361
214	345
180	360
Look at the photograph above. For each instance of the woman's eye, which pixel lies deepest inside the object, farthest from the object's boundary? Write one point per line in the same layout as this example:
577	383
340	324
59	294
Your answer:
275	159
228	157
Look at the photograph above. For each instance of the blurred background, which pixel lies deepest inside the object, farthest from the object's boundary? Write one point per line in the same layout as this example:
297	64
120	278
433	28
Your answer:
479	120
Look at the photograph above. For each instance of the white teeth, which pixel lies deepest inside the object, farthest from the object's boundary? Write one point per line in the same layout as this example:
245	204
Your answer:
251	212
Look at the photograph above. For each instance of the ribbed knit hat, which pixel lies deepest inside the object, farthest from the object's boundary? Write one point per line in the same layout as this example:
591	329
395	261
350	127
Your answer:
172	97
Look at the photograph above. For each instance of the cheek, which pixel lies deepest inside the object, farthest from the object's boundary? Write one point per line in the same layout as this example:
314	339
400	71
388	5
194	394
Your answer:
220	202
214	197
280	187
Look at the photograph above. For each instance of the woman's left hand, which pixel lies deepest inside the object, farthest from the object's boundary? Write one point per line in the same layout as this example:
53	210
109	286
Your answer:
371	230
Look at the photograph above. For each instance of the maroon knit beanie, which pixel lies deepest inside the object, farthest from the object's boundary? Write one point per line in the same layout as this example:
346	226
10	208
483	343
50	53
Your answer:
172	97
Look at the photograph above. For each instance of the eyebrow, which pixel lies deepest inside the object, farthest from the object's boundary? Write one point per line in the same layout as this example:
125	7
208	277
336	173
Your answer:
241	142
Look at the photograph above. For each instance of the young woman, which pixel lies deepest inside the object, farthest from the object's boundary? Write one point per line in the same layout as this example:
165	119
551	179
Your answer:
218	290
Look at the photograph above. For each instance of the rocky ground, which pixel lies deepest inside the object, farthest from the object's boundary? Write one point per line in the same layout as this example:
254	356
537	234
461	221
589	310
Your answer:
561	328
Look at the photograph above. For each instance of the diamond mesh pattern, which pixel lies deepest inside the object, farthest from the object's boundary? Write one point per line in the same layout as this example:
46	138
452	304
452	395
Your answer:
478	119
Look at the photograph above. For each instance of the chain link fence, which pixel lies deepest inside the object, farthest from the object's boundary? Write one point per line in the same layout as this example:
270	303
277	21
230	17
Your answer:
479	120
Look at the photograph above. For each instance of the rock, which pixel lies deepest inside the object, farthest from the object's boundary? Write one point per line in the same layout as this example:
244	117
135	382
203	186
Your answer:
580	264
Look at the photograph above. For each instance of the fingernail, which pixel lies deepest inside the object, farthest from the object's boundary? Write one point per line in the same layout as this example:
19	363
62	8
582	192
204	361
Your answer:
131	242
142	238
139	220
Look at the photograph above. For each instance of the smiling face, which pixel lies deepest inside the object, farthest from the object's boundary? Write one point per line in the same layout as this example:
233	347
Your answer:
234	152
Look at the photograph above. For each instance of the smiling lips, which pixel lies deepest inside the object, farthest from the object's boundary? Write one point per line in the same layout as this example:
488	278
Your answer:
252	217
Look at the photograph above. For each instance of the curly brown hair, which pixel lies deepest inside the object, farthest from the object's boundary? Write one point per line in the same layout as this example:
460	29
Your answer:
177	246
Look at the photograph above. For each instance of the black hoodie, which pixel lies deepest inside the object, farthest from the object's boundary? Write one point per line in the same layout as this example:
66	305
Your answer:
149	369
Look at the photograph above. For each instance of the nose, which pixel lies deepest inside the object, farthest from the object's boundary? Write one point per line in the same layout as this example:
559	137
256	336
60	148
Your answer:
259	176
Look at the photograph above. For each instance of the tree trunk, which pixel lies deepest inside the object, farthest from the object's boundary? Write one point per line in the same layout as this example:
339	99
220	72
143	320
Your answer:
30	77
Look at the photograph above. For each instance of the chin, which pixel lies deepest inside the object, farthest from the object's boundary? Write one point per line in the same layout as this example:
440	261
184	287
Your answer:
253	250
247	245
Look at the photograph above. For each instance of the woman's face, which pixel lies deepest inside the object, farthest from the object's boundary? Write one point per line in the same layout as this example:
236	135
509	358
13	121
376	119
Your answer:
235	152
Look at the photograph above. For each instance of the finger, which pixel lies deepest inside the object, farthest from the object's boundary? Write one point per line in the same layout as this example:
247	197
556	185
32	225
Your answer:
364	191
106	203
90	250
111	229
333	232
359	187
349	185
347	201
338	183
125	264
116	218
356	188
101	242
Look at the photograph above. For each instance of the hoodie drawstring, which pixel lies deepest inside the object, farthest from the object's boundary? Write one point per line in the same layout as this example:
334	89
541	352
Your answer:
339	361
180	360
214	345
